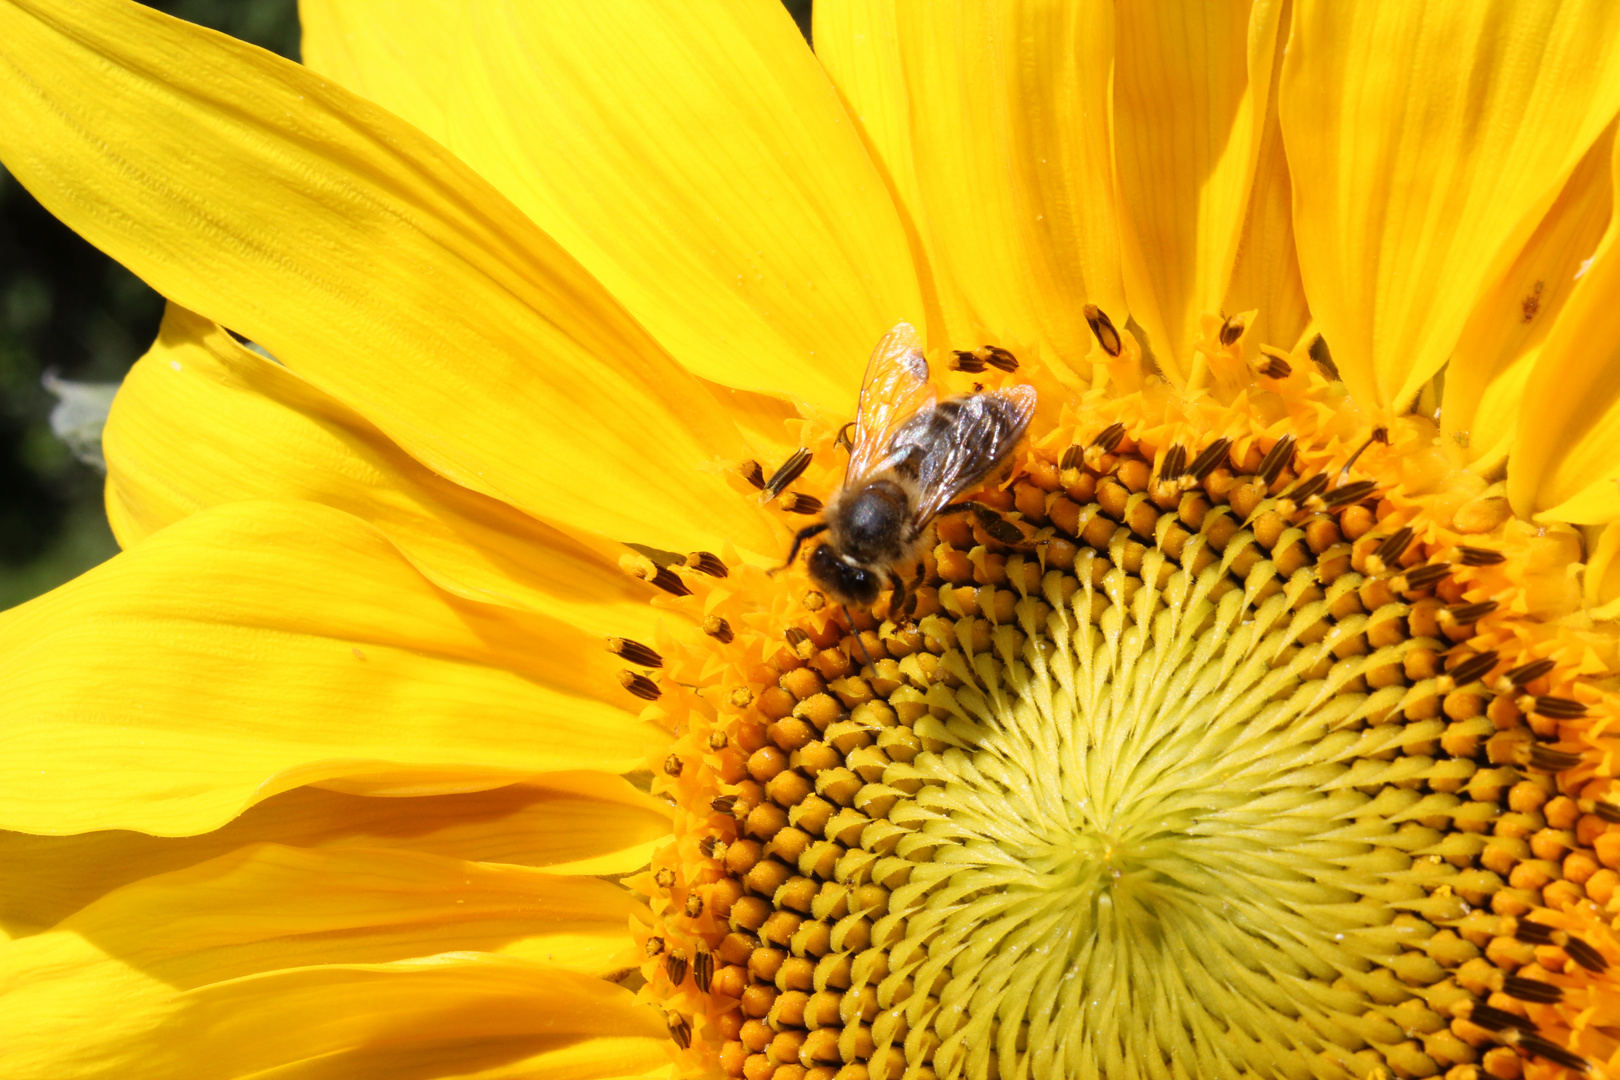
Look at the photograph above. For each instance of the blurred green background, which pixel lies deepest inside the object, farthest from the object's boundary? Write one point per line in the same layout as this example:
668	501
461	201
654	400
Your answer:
67	309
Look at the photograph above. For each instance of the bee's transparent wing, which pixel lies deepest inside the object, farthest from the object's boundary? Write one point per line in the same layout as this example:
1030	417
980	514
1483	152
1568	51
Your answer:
961	442
894	390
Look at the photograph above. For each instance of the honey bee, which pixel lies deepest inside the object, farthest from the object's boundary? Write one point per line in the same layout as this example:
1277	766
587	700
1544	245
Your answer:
909	457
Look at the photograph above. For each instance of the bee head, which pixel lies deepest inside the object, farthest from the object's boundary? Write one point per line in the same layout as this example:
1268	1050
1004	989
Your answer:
845	582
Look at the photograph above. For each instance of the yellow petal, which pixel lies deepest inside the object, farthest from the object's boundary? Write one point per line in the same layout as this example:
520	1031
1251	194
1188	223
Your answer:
1502	339
1601	587
267	907
376	51
368	259
258	646
858	43
584	823
1265	278
1426	141
1010	138
237	966
1188	123
1565	464
650	141
203	420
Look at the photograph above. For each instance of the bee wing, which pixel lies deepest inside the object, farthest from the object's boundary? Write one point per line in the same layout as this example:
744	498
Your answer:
970	445
894	389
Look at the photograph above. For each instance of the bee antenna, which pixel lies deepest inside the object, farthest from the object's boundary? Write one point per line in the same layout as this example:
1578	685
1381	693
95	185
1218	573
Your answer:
849	621
798	541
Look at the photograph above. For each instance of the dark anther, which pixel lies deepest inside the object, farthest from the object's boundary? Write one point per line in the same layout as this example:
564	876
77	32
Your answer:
669	581
1109	438
672	765
843	439
1531	990
1492	1019
1479	556
1608	811
718	628
1003	530
675	965
694	906
1393	547
665	878
1231	330
791	470
797	502
1309	487
723	804
679	1030
1584	955
752	473
1533	932
708	845
1546	759
703	970
1543	1047
1350	493
1422	577
1472	613
1530	672
718	740
1475	556
1175	463
1103	327
1001	359
1273	363
795	636
707	562
1473	669
639	685
966	361
634	651
1277	459
655	945
1207	459
1324	359
1379	435
1559	708
1072	458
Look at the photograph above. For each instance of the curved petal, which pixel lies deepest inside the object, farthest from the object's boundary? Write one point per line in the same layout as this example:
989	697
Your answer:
858	43
1565	464
567	823
1190	98
377	51
203	420
224	971
1265	277
1010	134
1426	142
650	141
1502	340
368	259
258	646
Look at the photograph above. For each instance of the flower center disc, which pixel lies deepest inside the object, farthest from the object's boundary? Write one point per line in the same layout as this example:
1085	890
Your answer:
1173	774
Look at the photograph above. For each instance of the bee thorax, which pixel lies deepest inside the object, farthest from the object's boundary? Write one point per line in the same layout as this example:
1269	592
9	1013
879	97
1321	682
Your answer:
872	522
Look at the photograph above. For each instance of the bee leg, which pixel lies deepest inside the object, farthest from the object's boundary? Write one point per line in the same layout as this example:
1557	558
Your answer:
916	582
957	508
900	600
798	540
849	621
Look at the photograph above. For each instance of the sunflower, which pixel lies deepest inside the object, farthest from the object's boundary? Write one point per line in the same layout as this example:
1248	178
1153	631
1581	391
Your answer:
445	714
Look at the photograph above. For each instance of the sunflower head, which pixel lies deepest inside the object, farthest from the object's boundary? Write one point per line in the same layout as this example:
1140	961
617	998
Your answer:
450	711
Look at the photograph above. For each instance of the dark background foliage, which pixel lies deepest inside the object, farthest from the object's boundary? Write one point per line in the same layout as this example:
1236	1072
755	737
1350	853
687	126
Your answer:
66	308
